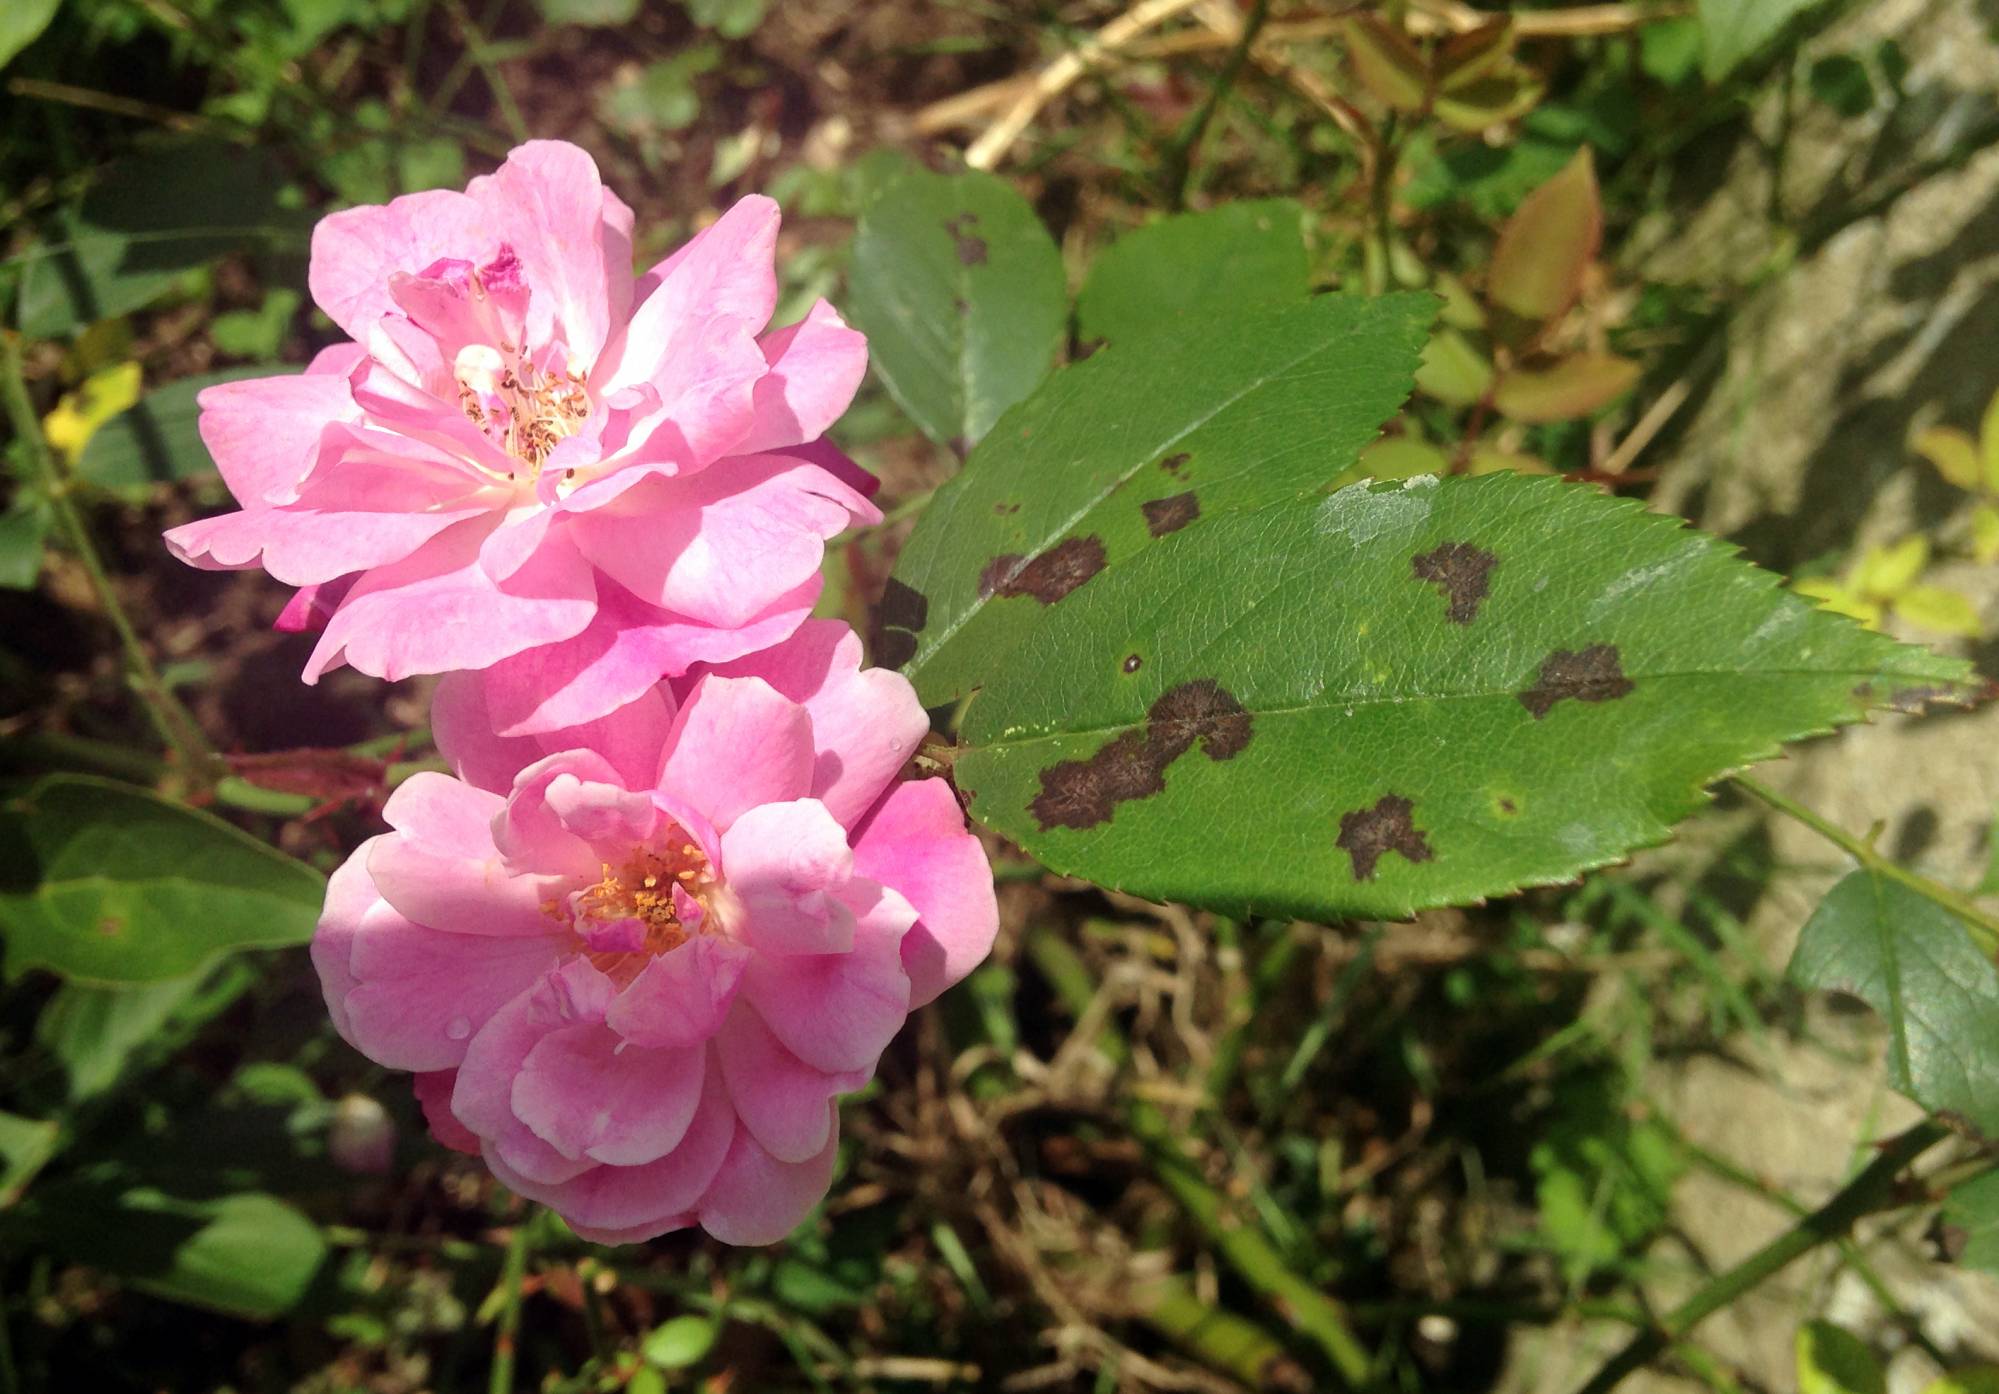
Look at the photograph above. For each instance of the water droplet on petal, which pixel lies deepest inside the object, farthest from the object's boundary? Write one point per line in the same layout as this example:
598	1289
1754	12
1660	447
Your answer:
458	1028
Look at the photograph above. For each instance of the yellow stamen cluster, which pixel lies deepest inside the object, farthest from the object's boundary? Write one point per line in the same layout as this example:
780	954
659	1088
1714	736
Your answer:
542	408
641	889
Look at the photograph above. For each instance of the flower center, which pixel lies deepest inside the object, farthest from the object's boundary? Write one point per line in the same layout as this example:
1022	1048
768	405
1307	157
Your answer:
524	407
650	905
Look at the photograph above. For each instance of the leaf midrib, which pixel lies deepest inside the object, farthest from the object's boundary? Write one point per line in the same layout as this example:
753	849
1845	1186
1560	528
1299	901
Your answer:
1479	695
1123	477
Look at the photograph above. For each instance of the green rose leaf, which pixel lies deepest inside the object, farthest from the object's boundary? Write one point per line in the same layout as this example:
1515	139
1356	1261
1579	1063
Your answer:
1126	448
961	294
1915	963
248	1255
105	883
1176	274
1971	1223
1401	696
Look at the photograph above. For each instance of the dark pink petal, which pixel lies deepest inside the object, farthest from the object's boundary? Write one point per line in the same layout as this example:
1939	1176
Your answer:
815	367
355	252
785	865
781	1100
436	610
445	814
547	203
680	998
312	606
865	723
264	432
737	744
637	1198
587	1092
756	1199
838	1012
916	841
433	1096
721	545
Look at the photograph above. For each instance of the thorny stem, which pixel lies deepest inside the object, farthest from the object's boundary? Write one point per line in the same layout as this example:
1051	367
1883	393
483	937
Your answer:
176	726
1873	1190
1980	924
512	1273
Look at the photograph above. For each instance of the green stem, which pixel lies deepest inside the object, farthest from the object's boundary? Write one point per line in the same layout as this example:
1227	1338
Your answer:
1983	926
512	1274
496	81
1874	1189
1180	158
1219	1339
176	726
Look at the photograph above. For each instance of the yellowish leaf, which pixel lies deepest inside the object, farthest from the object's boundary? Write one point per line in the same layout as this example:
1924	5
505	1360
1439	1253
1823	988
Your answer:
1988	435
1953	453
1453	371
1488	459
1563	390
1985	533
1939	610
1402	457
1885	572
75	419
1840	599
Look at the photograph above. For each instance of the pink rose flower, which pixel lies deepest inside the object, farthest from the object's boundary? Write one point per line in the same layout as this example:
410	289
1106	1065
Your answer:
529	462
635	963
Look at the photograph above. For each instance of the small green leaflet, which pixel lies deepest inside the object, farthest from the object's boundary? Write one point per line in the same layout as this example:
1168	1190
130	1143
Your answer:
1129	446
1971	1223
962	296
105	883
1175	274
1914	963
1401	696
1733	30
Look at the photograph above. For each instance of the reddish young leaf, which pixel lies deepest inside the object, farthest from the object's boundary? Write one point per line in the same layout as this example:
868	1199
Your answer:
1387	64
1537	269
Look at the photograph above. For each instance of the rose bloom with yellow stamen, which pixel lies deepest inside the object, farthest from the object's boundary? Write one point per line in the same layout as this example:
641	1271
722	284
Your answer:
525	461
634	963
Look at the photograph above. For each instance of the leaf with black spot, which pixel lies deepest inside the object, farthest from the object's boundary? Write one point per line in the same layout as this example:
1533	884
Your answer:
1387	754
961	293
1138	444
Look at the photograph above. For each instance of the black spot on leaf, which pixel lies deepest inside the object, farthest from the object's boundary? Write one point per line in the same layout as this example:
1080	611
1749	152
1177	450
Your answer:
899	616
1005	510
1462	572
1594	674
1173	464
1049	577
1133	663
1368	833
971	247
1084	793
1171	514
